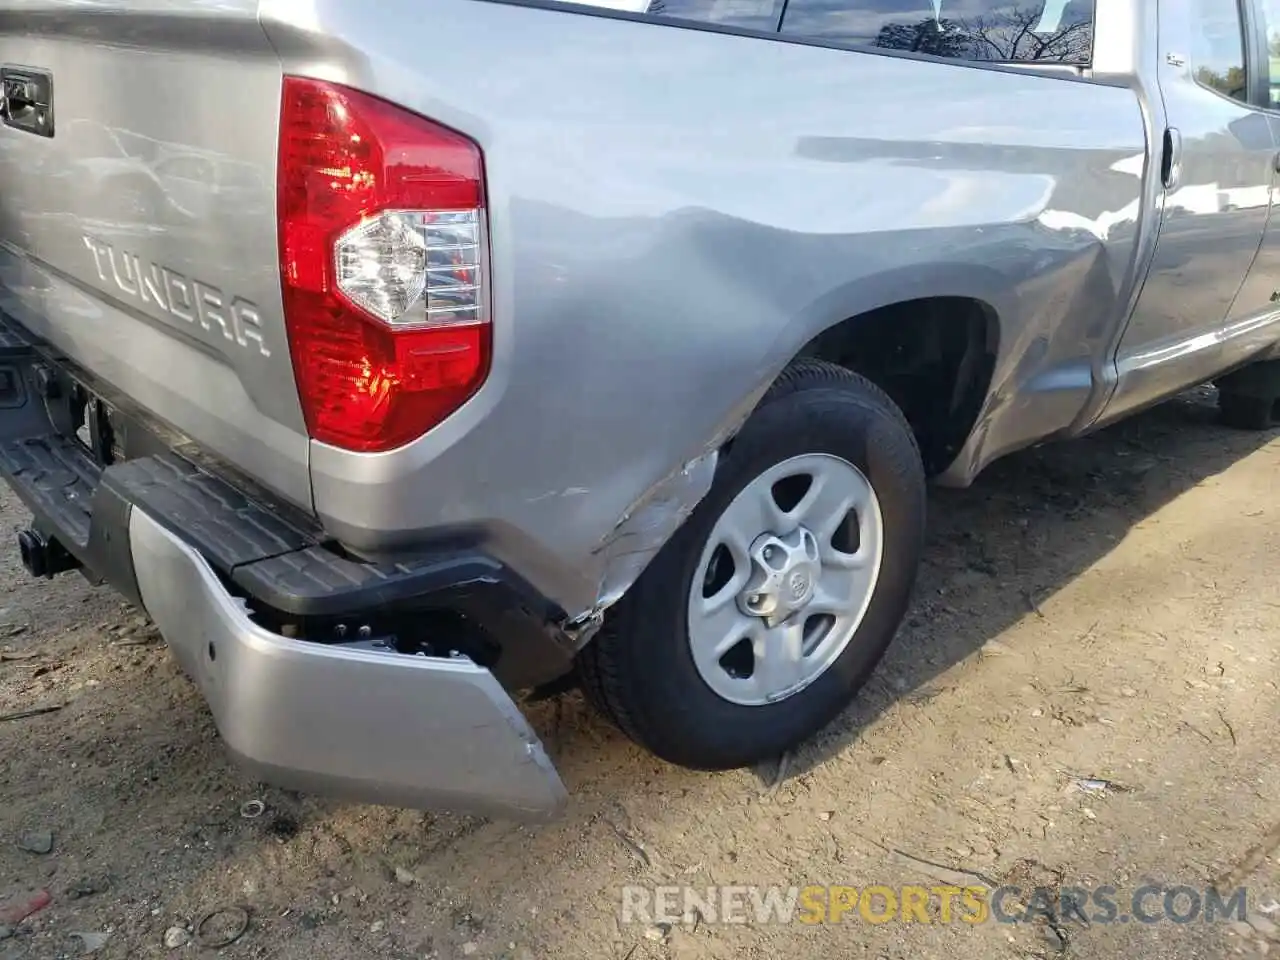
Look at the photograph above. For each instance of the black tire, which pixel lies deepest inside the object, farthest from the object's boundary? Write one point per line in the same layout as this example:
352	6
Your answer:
1246	412
639	670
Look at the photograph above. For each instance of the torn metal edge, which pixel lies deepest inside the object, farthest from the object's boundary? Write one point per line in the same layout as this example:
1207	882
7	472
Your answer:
646	526
640	533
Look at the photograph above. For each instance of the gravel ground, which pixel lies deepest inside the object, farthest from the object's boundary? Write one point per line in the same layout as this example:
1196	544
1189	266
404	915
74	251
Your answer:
1103	610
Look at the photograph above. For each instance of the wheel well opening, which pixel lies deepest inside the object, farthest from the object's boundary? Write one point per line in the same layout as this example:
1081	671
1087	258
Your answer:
934	357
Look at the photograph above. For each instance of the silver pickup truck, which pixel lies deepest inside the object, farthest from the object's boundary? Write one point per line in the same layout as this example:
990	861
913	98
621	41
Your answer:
402	357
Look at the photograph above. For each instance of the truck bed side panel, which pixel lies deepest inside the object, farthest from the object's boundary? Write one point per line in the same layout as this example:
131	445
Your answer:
674	212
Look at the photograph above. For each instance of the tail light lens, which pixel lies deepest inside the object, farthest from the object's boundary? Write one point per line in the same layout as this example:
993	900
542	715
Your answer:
383	258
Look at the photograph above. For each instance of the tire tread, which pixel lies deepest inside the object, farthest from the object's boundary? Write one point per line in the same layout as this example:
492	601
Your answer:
1247	412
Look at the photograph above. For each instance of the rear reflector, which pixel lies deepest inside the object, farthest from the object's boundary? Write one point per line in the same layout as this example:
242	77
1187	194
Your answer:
383	259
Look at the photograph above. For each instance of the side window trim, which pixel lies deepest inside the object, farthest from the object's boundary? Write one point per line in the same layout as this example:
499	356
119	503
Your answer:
1077	73
1257	59
1260	49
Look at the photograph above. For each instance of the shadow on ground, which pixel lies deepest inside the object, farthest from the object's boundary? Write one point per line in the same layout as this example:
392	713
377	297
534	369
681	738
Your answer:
1028	526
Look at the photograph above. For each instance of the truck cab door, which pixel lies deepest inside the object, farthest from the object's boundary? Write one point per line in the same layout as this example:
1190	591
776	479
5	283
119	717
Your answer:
1261	291
1259	298
1217	163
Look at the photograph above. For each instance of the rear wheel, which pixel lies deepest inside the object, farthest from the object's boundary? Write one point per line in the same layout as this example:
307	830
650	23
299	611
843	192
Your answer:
1246	412
763	616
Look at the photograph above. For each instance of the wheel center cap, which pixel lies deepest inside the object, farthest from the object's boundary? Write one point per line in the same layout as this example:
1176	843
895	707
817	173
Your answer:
784	575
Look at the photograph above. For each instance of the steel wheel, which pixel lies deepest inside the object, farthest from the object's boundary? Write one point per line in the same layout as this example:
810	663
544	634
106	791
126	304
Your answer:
785	579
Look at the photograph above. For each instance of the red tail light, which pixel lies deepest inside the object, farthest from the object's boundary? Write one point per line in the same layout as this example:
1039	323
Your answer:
382	259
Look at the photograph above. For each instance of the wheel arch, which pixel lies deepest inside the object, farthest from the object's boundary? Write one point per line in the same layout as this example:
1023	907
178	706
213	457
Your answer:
959	297
945	321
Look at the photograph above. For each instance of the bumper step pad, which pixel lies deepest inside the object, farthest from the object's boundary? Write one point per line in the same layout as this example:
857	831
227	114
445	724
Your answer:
274	560
56	478
229	529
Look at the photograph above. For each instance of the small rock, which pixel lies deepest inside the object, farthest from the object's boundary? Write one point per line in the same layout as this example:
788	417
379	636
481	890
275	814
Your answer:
404	877
1240	928
376	926
36	841
6	931
176	937
825	815
1089	814
1037	712
82	888
470	947
1263	948
1128	692
1263	926
92	942
657	933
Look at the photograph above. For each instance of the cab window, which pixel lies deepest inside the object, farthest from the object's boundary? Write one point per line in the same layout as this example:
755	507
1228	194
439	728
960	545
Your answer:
1270	10
1217	48
994	31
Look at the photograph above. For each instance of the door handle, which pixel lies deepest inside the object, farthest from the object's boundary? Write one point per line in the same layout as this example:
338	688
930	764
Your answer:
1171	159
26	99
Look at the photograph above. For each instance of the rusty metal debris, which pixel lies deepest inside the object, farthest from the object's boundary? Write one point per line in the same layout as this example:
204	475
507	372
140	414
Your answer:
236	922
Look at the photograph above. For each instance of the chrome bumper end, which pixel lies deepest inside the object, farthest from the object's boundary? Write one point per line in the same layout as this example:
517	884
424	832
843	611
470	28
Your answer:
375	728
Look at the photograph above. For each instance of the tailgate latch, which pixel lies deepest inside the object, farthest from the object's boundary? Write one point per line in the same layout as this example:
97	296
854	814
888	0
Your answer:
26	99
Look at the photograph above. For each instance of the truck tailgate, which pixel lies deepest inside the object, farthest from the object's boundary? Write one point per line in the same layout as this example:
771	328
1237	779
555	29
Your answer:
138	225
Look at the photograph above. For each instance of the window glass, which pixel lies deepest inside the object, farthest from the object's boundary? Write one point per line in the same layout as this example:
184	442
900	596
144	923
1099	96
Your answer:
1045	31
1271	20
747	14
1217	47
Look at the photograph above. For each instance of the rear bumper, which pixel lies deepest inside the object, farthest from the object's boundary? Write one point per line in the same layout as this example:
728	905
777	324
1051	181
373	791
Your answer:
375	727
231	580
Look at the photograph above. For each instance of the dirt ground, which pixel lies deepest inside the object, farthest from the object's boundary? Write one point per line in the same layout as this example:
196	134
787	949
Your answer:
1104	609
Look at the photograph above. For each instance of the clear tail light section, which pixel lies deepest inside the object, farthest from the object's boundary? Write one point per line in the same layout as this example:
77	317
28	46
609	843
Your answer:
383	258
